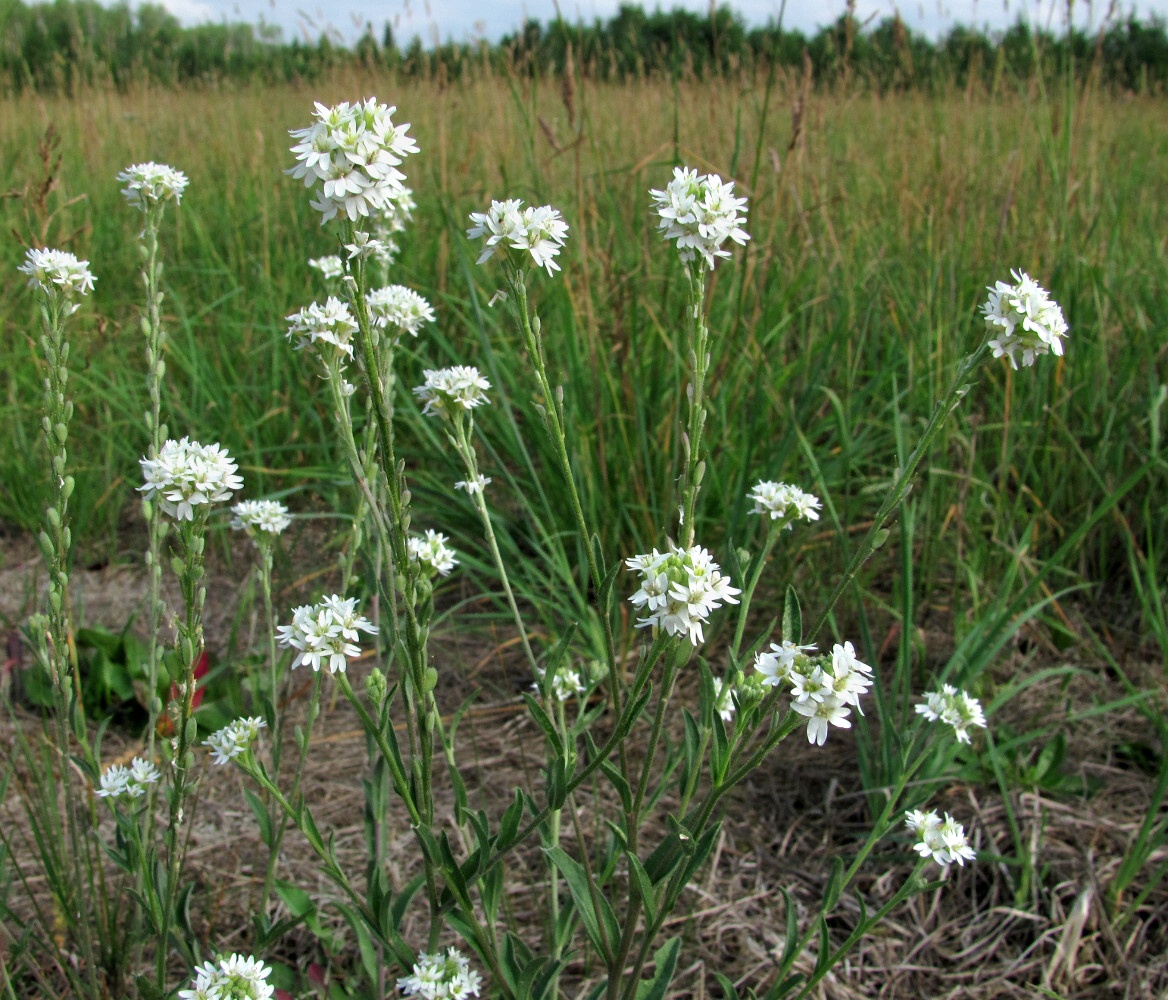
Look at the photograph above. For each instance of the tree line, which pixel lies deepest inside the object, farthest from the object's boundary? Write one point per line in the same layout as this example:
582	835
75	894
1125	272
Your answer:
66	44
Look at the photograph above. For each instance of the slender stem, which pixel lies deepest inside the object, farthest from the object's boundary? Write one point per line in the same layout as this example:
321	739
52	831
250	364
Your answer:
748	590
699	359
962	382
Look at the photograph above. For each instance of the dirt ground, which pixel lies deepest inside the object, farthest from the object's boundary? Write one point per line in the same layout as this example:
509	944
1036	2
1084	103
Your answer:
976	937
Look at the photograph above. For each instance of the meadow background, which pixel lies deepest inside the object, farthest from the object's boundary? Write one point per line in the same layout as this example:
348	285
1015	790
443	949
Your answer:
887	188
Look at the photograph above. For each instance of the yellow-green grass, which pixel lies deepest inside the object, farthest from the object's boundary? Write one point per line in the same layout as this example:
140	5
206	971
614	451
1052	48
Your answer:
876	224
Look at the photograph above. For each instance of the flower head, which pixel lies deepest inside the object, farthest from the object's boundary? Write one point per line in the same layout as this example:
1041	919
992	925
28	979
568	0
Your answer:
954	708
509	227
441	977
566	682
432	553
822	687
187	474
450	391
1023	320
57	272
784	502
234	738
366	247
150	184
330	325
400	308
325	632
260	517
679	589
234	978
700	212
350	154
330	267
942	840
118	779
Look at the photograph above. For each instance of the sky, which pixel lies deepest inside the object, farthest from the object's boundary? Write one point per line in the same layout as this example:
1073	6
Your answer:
468	20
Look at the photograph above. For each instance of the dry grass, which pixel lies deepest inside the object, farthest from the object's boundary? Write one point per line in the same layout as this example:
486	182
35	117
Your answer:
973	938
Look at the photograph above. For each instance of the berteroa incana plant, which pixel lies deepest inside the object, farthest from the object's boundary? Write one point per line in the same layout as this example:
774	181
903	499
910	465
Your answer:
621	818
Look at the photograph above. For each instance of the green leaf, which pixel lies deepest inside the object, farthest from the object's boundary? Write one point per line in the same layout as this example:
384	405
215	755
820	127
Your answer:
397	909
792	617
602	929
835	884
509	824
260	811
729	991
544	723
665	960
619	783
644	886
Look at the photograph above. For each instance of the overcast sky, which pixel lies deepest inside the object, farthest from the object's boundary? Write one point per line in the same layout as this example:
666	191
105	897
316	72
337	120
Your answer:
465	20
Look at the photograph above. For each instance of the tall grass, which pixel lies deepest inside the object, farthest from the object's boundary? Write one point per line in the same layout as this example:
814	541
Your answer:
875	221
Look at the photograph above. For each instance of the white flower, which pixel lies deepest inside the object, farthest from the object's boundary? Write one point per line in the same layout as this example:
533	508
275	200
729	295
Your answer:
330	324
326	631
776	664
365	247
330	267
508	226
441	977
679	589
57	272
149	184
234	738
942	840
849	677
187	474
432	552
268	516
473	486
784	502
115	781
820	712
234	978
954	708
119	780
142	771
450	390
1023	320
700	212
400	307
566	682
392	219
350	154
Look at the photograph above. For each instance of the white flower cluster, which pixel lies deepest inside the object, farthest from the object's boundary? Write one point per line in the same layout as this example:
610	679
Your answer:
784	502
352	152
234	738
942	840
1024	320
700	212
508	226
441	977
366	247
954	708
150	184
268	516
327	631
679	589
399	307
187	474
393	219
234	978
57	272
822	687
566	682
432	552
448	391
330	267
119	780
330	324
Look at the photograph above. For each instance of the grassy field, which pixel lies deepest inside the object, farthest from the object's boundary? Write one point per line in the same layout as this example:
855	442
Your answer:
1033	536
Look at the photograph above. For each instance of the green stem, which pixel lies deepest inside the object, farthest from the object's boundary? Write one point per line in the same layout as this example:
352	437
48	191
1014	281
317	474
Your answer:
699	359
962	382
